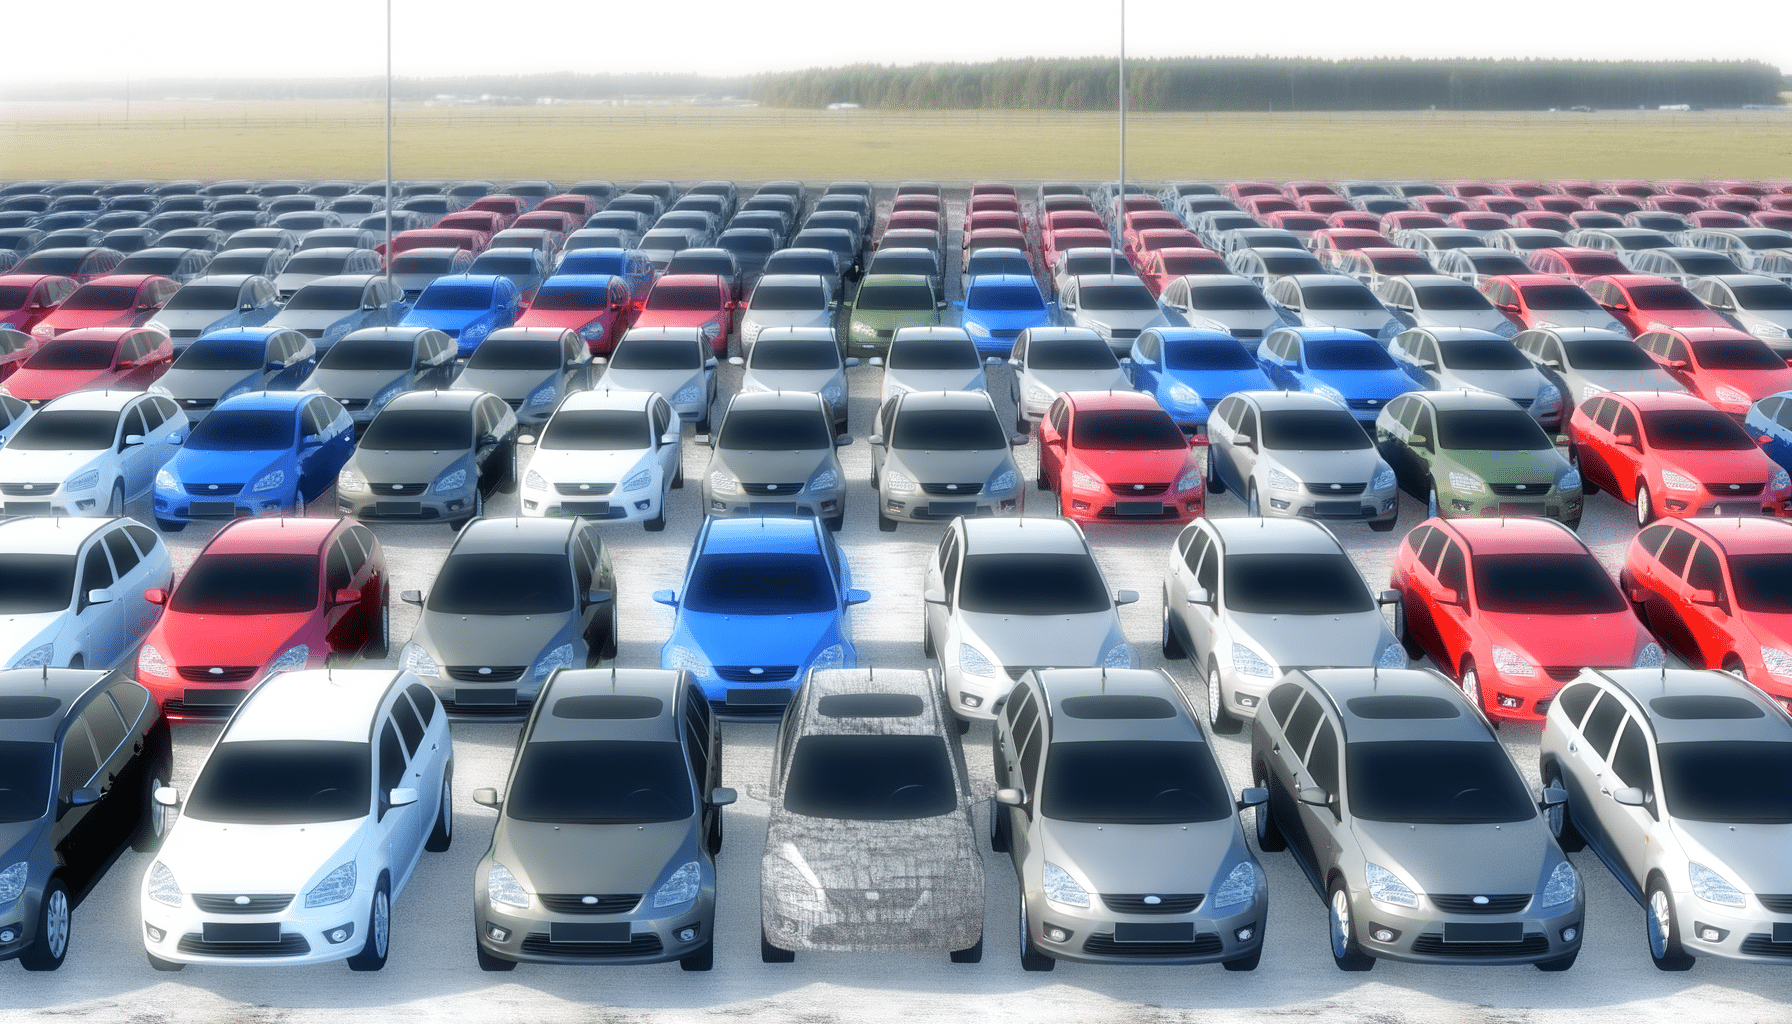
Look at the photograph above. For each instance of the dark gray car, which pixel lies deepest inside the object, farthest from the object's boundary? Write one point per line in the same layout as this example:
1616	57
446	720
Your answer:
532	368
370	367
431	456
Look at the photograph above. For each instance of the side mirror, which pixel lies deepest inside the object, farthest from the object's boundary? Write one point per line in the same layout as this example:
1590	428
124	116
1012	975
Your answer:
1253	796
857	596
851	361
133	440
669	598
736	361
1554	796
1627	440
411	597
704	440
1450	597
1704	597
1426	364
722	796
710	363
1017	440
1419	441
310	441
1629	796
1126	597
102	595
1011	797
401	797
167	796
600	596
875	361
671	437
1388	597
487	797
175	439
994	361
1199	595
155	595
1315	795
933	595
84	796
1554	364
843	440
1244	441
875	440
345	596
1676	364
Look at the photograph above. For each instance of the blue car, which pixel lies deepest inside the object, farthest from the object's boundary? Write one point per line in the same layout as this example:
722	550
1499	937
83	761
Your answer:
224	364
764	602
1770	421
631	265
466	308
260	454
997	307
1189	370
526	268
1348	367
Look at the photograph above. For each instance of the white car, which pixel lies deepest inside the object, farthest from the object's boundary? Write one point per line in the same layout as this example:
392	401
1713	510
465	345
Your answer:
1761	304
787	300
1115	306
1225	302
932	359
606	455
1332	300
308	817
1077	262
1450	358
1442	300
1050	360
89	453
677	362
13	414
799	359
74	591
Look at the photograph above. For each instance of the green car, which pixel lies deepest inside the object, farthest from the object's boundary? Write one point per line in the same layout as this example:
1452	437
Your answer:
1472	453
888	302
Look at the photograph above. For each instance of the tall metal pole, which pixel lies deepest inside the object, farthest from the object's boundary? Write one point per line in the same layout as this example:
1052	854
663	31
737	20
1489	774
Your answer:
1113	260
390	204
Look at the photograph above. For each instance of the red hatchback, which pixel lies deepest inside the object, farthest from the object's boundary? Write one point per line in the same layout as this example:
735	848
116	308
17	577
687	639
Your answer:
507	208
1715	592
1161	266
1728	368
1514	609
116	300
114	358
1355	220
1056	242
265	596
1145	241
26	299
692	300
1672	454
1117	456
1576	263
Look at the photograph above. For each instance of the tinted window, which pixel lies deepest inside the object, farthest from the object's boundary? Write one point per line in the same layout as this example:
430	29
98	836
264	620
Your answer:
596	430
656	355
26	769
73	355
789	297
1733	781
511	583
1227	297
282	782
1740	354
1613	354
1133	783
775	430
1032	584
608	782
1491	430
949	430
452	298
1208	355
795	354
214	297
1695	430
1295	584
1761	582
934	354
1663	296
103	296
686	297
1673	553
221	355
1135	297
1348	355
760	584
1602	724
419	430
1313	430
32	583
1558	296
514	354
101	718
1630	762
1346	298
1084	354
259	584
241	430
1299	730
894	297
1483	355
870	778
1545	584
369	354
1748	296
124	557
1127	430
332	296
1435	782
410	263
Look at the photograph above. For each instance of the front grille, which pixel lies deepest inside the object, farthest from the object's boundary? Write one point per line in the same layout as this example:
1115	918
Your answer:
1526	490
1760	944
1781	904
398	490
1743	490
1104	945
764	489
1513	509
491	673
579	490
197	403
505	711
1168	514
1168	903
884	335
1461	904
1542	706
1339	489
766	673
212	903
211	490
1366	403
222	673
194	944
953	490
27	490
1434	945
1138	490
1562	673
612	903
645	944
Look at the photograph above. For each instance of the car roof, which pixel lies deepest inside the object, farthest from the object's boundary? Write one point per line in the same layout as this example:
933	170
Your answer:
606	398
809	280
1670	720
764	535
436	400
1358	696
514	535
1116	704
108	401
313	704
609	704
1124	280
1322	333
1465	398
341	281
804	400
713	280
285	535
395	333
1023	535
51	535
34	702
1275	400
1063	334
895	281
692	334
545	335
1737	280
1092	401
1246	536
1516	536
798	334
270	401
937	333
1651	401
930	400
869	702
1011	280
1742	536
1459	333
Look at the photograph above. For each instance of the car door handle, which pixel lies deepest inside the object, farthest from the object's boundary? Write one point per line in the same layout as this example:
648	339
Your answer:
1573	748
1276	749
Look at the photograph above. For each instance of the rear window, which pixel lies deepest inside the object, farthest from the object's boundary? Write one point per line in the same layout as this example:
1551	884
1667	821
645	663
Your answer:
870	778
1313	583
1545	584
1695	430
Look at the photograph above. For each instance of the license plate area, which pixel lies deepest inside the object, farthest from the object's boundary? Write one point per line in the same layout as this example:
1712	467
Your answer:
776	696
952	508
1483	931
771	508
212	508
1338	508
1138	508
398	508
27	508
1167	931
214	698
587	508
495	696
1782	932
584	931
233	931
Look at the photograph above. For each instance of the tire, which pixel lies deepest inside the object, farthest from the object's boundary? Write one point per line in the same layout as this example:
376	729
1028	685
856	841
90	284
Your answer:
1559	818
54	919
1587	487
1248	962
1170	642
1215	485
372	956
170	525
1219	720
1662	926
999	839
1253	505
1030	958
656	524
1433	510
963	724
1645	505
771	954
1384	527
511	478
608	650
489	962
702	960
1345	952
1471	688
1560	963
885	523
442	834
926	642
1045	482
973	955
713	840
115	504
835	523
678	477
1269	834
381	646
1408	642
157	963
152	826
1572	524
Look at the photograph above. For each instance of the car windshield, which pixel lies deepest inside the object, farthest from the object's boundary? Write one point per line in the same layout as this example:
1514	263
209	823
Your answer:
870	778
419	430
1018	298
31	584
1701	430
243	261
597	430
1208	355
1728	781
895	297
948	430
665	241
1776	297
369	354
684	297
1127	430
327	297
934	354
1358	354
1103	263
1435	782
1737	354
1313	430
1341	297
454	298
258	584
565	298
502	265
1071	354
322	266
409	263
216	354
821	266
503	583
244	430
600	782
1644	240
644	354
1179	265
1133	297
789	297
204	297
1280	265
795	354
1607	354
518	354
1303	583
1133	782
1000	264
1761	582
1033	584
66	430
73	355
1663	296
25	767
1450	297
1545	583
283	782
14	296
1558	297
751	583
779	430
1483	355
1491	430
1765	240
101	297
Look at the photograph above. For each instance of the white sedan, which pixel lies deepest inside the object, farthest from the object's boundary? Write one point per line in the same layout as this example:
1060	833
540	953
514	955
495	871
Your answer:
73	591
606	455
88	453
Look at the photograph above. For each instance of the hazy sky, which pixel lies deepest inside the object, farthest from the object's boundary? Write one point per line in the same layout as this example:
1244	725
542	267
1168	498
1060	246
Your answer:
337	38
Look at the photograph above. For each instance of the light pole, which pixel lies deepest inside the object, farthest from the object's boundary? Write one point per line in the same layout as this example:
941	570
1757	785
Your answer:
1113	260
390	199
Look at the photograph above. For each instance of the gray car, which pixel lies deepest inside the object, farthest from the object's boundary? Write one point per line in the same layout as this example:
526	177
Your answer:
414	269
788	300
1048	361
431	456
1457	358
932	359
677	362
775	455
312	262
216	302
531	368
1115	306
515	600
1585	361
212	368
1332	300
1121	826
370	367
1293	454
1412	823
613	792
1762	305
1226	302
870	839
1444	301
941	454
799	359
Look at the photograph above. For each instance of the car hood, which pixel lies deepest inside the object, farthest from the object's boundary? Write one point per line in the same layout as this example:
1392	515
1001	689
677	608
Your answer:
74	319
1369	321
1260	320
1123	319
1213	385
755	467
1082	380
1507	467
1315	641
20	633
757	640
191	319
203	384
569	859
1716	469
17	838
29	384
934	380
1596	381
1598	641
571	319
666	382
679	318
1328	467
949	467
1461	859
349	385
488	640
1135	466
790	317
1752	855
1142	858
504	383
1515	384
312	319
196	468
385	467
1059	641
185	638
1382	384
890	319
220	857
917	853
20	465
565	465
1479	319
1578	318
1756	384
790	380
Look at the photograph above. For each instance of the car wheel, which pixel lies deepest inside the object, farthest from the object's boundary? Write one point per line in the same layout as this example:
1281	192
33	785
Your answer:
771	954
1219	719
1253	505
115	506
702	960
1645	506
53	922
1559	818
1560	963
926	641
1431	506
714	839
1587	487
885	523
443	833
999	839
153	824
973	955
1214	484
1269	834
1384	525
1031	959
1664	929
372	956
678	477
702	424
835	522
1345	952
963	724
656	524
1045	482
382	643
1471	687
608	650
1170	642
170	525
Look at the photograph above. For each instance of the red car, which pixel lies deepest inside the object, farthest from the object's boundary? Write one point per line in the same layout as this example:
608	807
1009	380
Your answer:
1579	189
992	202
1137	204
1472	189
1620	205
1781	202
1776	220
597	306
1528	189
1743	188
1534	300
1261	206
549	220
1355	220
1117	456
1514	609
925	220
485	222
1670	454
1562	204
1744	205
94	359
1728	368
917	201
1595	219
1327	204
1716	219
474	242
1480	220
1443	206
506	208
1301	222
1716	594
26	299
992	188
1644	302
692	300
997	238
1576	263
1239	191
1688	188
980	220
266	595
116	300
1161	266
579	206
1682	205
1635	189
1060	220
1302	189
1140	244
1149	220
1548	220
1400	220
1346	240
1507	205
1055	242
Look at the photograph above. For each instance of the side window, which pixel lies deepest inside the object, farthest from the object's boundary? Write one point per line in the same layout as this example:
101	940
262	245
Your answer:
1625	424
311	419
1605	413
78	761
132	699
1025	718
145	538
1673	553
582	569
949	571
153	415
1705	573
1235	415
337	572
1148	347
167	407
1422	425
96	574
1029	763
1630	762
1452	573
1603	723
1322	760
1282	700
1299	729
1434	548
391	759
1415	541
425	701
107	728
1407	414
1575	700
408	723
133	424
1650	540
1784	418
362	537
1192	558
124	557
697	741
1208	575
1247	423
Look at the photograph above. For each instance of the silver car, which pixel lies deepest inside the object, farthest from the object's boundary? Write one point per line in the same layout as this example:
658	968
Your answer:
940	454
215	302
1261	266
1332	300
1456	358
1584	361
1412	823
533	369
1048	361
1677	780
870	842
1761	304
932	359
677	362
606	455
431	456
369	368
1072	263
212	369
775	455
1248	600
1121	826
1440	300
799	359
1115	306
787	300
1226	302
1293	454
311	263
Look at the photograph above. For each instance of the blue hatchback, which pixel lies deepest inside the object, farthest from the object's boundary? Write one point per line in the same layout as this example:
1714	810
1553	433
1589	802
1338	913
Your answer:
262	454
764	602
1348	367
632	265
997	307
466	307
1770	422
1188	371
526	268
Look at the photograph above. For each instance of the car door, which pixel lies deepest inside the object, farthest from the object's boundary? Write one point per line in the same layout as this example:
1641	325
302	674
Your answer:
1202	561
1624	458
1025	773
1054	439
1427	544
1321	823
79	833
1590	779
343	630
1454	620
100	625
399	827
315	471
1633	830
136	615
1286	769
942	576
133	450
1246	446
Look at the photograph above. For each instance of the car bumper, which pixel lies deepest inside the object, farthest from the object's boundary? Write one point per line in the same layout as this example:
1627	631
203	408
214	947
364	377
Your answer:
1368	507
1418	935
627	508
1736	934
304	933
855	921
19	919
427	507
1553	505
800	503
974	698
1107	507
181	506
1682	505
1242	694
653	936
59	502
920	507
1097	935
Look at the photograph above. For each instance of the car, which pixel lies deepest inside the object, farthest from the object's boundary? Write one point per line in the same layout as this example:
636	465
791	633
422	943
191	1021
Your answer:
112	301
799	359
945	445
1452	358
1246	601
84	753
1004	595
1188	371
26	299
1746	245
1673	455
438	237
91	359
1260	266
803	301
773	446
315	262
1225	302
1527	239
13	412
1578	264
869	793
1584	361
1645	303
365	752
702	301
531	368
269	263
597	307
1121	826
711	260
264	596
460	444
74	451
1760	305
216	304
82	263
1684	266
1356	762
750	245
1471	453
262	453
1081	260
1050	360
1096	447
505	208
997	308
1160	266
1292	454
467	308
1442	301
886	303
1056	245
773	594
1769	422
1333	301
1329	244
677	362
179	263
1726	367
414	269
897	260
525	268
932	359
363	238
370	367
54	621
599	442
823	263
331	308
1547	302
1347	367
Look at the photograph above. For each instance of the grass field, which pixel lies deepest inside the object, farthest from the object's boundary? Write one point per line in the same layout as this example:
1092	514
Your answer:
171	139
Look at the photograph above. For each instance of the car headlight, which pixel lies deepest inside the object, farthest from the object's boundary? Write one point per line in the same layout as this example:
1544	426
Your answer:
1730	395
1510	663
832	658
972	662
1780	481
684	659
154	389
592	332
825	480
1392	656
1239	887
1387	887
43	330
681	887
1778	662
151	663
535	481
166	481
1082	481
723	482
1676	482
474	332
543	395
1121	655
1332	394
1249	663
162	887
82	481
1005	480
692	392
1183	394
292	659
386	394
1281	481
1040	395
451	481
417	661
1712	887
1384	478
860	327
12	883
335	887
1062	889
501	887
269	481
559	657
36	657
1190	480
1562	887
1650	656
1766	330
1466	483
1570	481
1548	396
638	479
897	482
975	329
351	482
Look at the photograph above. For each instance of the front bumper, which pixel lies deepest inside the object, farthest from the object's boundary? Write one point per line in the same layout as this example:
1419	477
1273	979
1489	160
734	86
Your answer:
1243	695
1419	934
181	506
921	507
304	933
974	698
630	507
1108	506
889	920
58	502
1736	934
1552	504
652	936
1702	503
20	919
428	507
1306	503
1098	935
806	502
